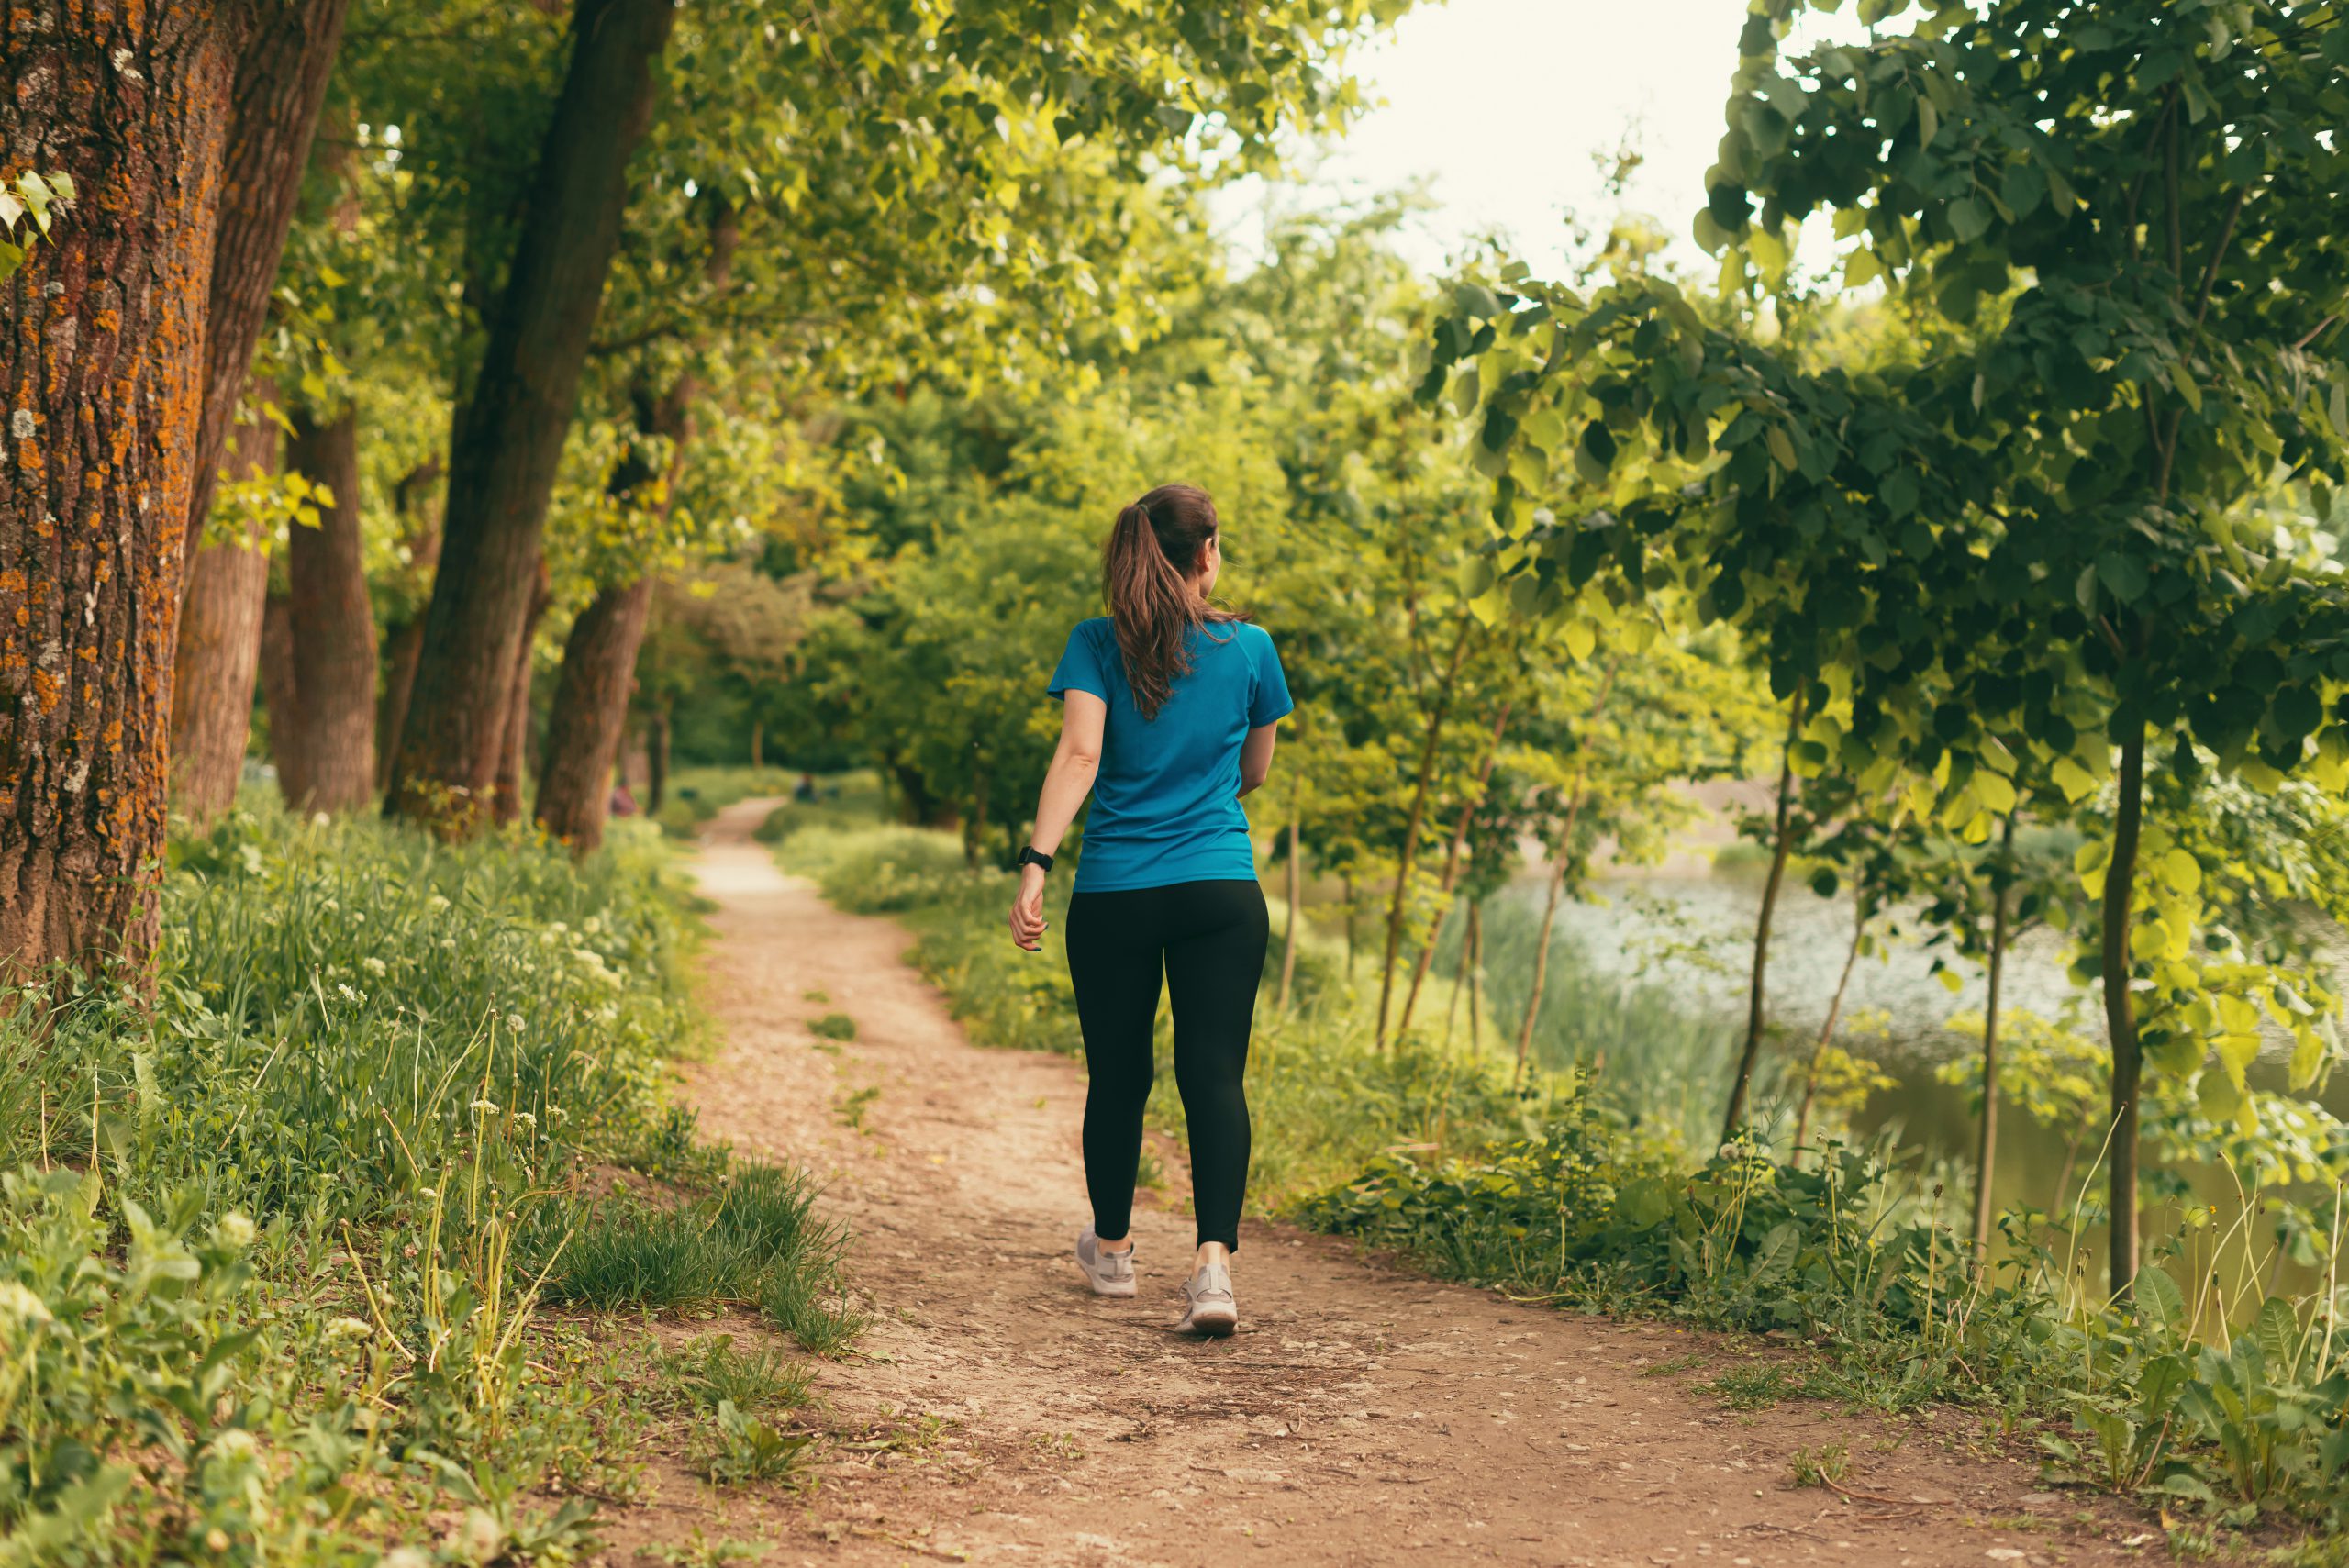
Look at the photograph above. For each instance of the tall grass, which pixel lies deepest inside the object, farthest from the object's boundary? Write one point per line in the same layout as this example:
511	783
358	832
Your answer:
277	1243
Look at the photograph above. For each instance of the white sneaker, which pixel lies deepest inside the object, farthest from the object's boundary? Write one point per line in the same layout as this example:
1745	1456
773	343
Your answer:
1109	1273
1212	1311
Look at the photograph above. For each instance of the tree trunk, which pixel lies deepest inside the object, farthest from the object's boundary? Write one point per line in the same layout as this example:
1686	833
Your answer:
280	81
758	740
1296	897
1459	982
656	760
404	637
219	651
1437	712
1451	861
1782	847
2120	1014
102	369
331	621
508	438
1986	1148
590	713
1348	886
505	806
281	690
975	823
1827	1030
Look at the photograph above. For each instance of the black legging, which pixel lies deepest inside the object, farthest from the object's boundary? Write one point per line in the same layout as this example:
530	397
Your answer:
1208	939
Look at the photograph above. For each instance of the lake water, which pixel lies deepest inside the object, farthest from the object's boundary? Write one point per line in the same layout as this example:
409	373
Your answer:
1690	938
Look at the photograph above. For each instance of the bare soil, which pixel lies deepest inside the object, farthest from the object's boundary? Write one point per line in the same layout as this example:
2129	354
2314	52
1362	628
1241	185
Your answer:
996	1412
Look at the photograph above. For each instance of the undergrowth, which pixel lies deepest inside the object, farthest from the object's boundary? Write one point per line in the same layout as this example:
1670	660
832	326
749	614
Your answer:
280	1246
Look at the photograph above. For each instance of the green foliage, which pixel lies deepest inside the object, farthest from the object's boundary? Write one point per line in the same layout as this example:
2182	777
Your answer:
267	1263
833	1025
34	202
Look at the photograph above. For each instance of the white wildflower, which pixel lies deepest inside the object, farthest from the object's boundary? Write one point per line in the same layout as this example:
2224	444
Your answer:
320	819
234	1444
480	1538
526	1120
374	966
343	989
350	1329
404	1557
436	904
427	1194
484	1107
558	927
235	1230
593	925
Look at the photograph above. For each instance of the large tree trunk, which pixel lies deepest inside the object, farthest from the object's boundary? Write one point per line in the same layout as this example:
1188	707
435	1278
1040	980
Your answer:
281	690
574	783
509	436
219	648
1437	712
1782	845
404	637
507	806
280	81
331	622
590	713
1985	1147
102	382
2119	1016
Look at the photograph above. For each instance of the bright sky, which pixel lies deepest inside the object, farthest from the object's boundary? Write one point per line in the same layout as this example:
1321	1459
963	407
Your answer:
1498	105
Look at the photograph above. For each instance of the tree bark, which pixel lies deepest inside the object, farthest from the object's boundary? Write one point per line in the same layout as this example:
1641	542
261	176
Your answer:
1452	862
1296	897
656	760
101	387
505	806
281	691
1827	1030
1756	1010
1985	1148
508	438
2120	1014
1437	712
281	80
404	637
331	621
590	713
219	651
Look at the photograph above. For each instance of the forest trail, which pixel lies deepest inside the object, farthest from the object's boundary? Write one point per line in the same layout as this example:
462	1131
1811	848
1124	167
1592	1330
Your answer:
995	1412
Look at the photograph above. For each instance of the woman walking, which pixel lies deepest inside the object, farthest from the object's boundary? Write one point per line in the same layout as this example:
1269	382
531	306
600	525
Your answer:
1168	706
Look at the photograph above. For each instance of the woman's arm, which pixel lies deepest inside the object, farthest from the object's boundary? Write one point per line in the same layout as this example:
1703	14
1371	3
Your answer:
1256	757
1066	783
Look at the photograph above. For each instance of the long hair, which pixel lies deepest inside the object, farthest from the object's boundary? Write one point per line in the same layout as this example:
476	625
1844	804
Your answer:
1145	579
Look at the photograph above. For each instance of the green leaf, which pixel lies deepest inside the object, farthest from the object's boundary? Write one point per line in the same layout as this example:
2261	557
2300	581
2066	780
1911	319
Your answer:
2182	381
1928	122
1969	217
1781	451
2160	1303
62	183
2123	575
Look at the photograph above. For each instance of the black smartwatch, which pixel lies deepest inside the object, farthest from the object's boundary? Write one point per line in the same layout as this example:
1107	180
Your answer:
1030	855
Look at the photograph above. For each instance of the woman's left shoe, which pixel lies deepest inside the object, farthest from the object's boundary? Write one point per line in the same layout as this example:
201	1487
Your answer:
1109	1273
1212	1311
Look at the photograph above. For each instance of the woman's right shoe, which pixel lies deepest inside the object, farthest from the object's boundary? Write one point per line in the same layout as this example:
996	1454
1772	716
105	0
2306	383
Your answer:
1109	1273
1212	1311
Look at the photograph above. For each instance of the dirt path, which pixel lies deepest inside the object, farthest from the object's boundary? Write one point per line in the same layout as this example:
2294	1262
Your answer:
995	1412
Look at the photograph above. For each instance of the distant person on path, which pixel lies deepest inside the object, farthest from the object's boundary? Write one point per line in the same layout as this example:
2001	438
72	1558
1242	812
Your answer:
1168	708
805	790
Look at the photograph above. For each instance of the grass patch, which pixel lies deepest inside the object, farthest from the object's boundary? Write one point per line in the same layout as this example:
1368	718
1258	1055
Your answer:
272	1242
833	1025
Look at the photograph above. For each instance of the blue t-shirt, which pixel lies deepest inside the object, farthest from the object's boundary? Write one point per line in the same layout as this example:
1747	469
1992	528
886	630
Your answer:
1167	798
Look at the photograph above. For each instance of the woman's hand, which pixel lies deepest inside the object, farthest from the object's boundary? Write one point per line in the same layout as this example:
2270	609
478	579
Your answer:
1027	909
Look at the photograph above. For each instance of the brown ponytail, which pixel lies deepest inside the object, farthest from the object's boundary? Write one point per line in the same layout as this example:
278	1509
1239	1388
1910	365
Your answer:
1145	577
